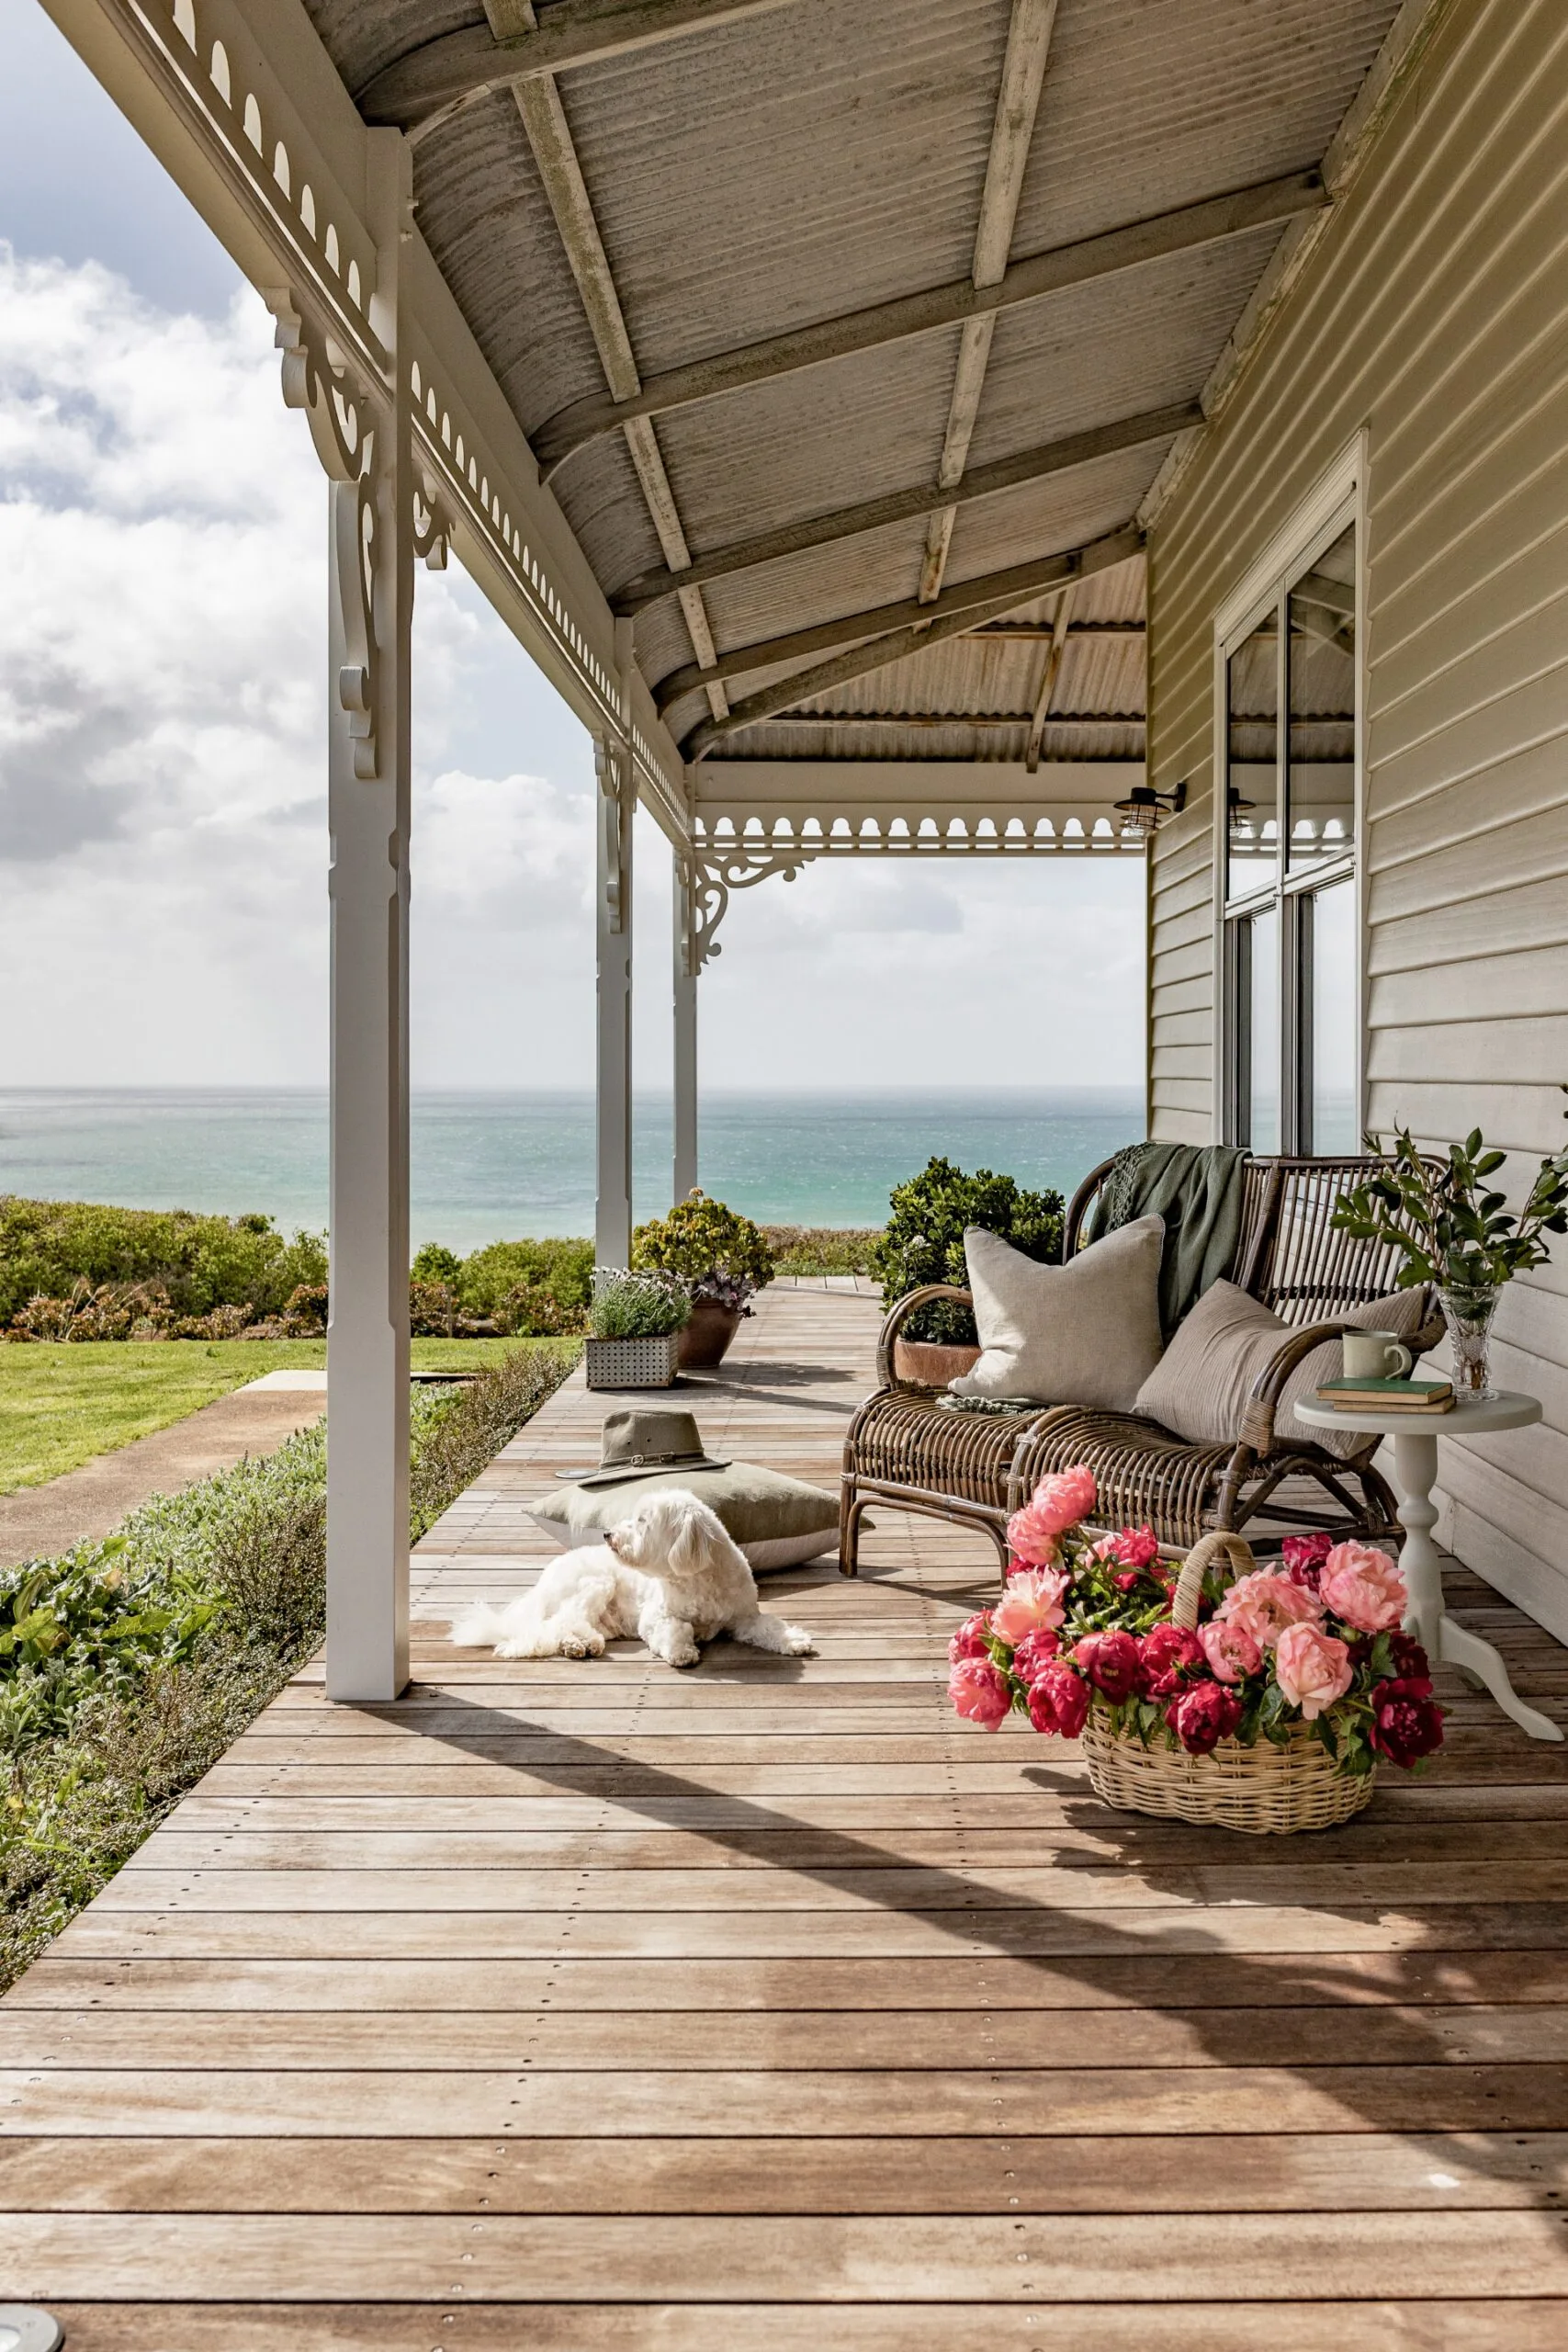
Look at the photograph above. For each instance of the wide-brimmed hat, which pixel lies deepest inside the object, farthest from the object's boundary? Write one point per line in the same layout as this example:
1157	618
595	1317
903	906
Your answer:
642	1442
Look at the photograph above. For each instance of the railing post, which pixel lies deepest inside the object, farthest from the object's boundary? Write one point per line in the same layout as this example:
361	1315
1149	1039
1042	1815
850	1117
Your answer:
370	611
612	935
684	1171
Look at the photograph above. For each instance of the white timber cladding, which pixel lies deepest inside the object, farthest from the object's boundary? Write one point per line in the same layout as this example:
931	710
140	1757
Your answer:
245	109
1427	320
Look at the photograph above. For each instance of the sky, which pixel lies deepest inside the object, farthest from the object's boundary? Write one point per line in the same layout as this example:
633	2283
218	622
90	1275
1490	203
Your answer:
162	814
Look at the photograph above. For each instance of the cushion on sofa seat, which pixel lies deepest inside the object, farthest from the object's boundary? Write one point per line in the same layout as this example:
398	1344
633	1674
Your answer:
1085	1333
1201	1387
776	1521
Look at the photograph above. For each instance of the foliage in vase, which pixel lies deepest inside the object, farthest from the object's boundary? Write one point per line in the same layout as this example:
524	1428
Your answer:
923	1240
1448	1222
1086	1623
719	1254
637	1304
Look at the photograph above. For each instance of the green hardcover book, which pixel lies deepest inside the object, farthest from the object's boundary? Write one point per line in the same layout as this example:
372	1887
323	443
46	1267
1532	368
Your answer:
1392	1391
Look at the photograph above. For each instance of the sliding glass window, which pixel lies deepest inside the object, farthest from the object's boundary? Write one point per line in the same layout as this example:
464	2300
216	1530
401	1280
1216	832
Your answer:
1291	962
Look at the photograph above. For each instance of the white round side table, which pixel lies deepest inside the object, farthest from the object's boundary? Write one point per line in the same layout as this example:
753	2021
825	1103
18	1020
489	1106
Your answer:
1415	1475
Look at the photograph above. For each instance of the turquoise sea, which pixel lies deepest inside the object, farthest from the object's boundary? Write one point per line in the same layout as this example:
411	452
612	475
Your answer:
490	1166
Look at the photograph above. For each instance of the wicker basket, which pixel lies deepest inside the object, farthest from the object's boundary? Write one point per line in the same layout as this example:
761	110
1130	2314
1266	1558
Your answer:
1263	1790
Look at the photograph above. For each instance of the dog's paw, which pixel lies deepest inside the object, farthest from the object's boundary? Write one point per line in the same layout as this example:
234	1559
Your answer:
689	1655
798	1641
574	1648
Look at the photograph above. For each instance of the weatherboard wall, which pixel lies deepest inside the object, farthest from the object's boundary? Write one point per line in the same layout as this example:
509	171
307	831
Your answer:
1432	317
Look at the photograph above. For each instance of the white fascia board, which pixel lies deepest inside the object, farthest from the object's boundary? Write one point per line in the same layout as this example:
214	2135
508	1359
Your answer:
935	807
277	168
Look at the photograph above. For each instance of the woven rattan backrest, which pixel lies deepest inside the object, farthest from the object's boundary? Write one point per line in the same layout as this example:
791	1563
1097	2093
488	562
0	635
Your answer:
1289	1255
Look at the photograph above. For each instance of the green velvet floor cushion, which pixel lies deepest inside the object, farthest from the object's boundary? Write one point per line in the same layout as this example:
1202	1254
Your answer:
777	1521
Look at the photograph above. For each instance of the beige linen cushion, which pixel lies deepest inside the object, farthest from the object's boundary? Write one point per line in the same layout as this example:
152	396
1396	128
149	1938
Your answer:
1085	1333
777	1521
1200	1385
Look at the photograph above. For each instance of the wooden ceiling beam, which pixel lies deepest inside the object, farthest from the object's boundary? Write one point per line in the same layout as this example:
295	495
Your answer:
430	81
1048	679
955	613
906	505
1186	229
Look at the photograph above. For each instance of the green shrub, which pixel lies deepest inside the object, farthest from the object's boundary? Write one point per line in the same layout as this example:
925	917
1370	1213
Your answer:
716	1252
923	1240
645	1304
822	1249
509	1281
47	1247
128	1667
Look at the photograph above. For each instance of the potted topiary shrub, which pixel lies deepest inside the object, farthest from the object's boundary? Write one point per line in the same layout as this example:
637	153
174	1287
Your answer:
923	1242
722	1258
635	1322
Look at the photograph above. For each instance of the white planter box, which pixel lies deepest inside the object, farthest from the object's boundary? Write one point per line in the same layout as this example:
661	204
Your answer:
631	1364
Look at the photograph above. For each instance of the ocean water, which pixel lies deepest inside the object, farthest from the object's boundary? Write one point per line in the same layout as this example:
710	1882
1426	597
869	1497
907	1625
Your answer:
490	1166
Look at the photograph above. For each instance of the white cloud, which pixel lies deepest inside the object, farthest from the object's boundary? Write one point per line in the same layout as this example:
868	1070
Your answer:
163	847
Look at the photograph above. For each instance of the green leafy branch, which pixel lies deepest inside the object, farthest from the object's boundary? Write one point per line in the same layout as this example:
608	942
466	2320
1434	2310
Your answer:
1446	1220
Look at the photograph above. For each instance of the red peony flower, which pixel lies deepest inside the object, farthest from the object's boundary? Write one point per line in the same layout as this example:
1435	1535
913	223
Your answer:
970	1640
1411	1665
1407	1723
1036	1650
1113	1662
1130	1547
1203	1715
980	1691
1058	1701
1168	1651
1304	1557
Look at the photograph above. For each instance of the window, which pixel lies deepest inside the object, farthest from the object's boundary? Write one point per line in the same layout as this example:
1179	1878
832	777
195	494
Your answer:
1291	921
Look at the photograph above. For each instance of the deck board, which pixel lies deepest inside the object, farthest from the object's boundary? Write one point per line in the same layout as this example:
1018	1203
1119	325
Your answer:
586	2005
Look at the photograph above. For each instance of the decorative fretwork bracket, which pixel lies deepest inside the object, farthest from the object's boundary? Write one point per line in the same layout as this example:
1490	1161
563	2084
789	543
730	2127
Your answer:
617	808
706	884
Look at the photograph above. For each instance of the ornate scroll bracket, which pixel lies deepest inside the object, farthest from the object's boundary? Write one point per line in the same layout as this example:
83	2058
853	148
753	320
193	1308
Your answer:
617	807
707	883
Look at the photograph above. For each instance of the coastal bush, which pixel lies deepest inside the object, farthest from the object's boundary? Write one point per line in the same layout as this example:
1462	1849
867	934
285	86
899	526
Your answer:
127	1668
923	1240
527	1288
48	1250
822	1249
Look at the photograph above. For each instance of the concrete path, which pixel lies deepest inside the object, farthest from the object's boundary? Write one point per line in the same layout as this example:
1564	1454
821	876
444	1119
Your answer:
36	1523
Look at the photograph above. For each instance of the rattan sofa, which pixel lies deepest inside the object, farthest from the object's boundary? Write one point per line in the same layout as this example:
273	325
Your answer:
904	1449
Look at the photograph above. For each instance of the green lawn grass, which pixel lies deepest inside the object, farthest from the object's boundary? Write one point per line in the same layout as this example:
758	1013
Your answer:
61	1405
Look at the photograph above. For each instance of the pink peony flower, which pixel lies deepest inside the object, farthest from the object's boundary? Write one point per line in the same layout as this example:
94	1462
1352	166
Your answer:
969	1641
1364	1587
1036	1650
1056	1504
1058	1701
980	1691
1032	1600
1230	1650
1202	1717
1113	1662
1304	1555
1407	1723
1264	1603
1312	1667
1168	1651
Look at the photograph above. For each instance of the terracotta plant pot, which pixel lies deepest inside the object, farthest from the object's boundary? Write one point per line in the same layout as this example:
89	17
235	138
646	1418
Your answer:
931	1363
705	1339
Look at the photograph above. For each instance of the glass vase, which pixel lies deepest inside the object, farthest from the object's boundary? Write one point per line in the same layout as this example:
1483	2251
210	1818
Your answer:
1468	1313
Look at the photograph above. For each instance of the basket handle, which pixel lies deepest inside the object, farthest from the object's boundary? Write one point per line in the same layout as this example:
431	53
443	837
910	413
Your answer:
1190	1583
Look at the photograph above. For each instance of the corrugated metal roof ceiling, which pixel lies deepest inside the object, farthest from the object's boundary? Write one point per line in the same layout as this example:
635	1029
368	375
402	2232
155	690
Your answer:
769	171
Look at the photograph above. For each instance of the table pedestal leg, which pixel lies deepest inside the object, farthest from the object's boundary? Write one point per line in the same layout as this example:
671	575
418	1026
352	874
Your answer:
1415	1475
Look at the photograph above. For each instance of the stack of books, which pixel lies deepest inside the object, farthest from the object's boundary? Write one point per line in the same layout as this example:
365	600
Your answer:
1389	1396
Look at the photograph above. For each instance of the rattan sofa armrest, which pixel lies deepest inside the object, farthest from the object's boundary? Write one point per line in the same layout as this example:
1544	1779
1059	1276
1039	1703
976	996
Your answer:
1257	1420
901	1311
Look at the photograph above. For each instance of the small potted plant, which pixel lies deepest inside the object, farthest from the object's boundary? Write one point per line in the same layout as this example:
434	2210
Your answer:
723	1259
635	1322
1452	1229
923	1242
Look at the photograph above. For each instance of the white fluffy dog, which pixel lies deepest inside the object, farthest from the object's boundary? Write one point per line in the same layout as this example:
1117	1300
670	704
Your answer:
668	1573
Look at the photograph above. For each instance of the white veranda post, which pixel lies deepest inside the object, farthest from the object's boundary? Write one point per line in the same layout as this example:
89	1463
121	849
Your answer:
684	1171
613	933
370	603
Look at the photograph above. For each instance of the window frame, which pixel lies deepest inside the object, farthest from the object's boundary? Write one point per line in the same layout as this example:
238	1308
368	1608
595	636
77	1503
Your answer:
1338	502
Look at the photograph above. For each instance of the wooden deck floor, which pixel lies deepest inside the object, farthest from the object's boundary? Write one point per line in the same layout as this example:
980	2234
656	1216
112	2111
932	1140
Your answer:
579	2006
